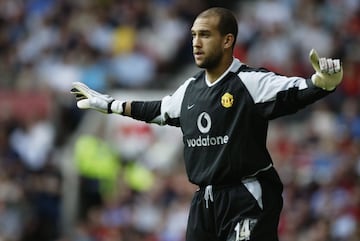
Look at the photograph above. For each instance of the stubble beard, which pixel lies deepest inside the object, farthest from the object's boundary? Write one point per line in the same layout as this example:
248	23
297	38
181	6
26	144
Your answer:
211	62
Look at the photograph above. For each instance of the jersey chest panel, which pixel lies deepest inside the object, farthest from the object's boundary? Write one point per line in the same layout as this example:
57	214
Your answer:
212	110
220	128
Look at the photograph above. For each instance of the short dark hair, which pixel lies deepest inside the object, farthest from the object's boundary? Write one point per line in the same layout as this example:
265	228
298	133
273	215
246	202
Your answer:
227	20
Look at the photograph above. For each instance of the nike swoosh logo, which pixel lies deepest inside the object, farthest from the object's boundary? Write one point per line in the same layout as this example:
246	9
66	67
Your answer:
189	107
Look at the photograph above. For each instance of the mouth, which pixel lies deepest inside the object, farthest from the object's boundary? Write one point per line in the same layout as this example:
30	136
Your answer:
198	54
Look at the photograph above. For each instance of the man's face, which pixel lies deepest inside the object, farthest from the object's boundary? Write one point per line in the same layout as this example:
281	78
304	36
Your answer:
207	42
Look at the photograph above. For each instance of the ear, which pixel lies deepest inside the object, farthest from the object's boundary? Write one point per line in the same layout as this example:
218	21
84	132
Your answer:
228	40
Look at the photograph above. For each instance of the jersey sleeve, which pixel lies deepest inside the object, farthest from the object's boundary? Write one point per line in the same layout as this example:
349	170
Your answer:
163	112
276	95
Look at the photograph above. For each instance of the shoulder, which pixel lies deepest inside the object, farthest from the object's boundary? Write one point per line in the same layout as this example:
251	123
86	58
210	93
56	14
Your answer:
246	69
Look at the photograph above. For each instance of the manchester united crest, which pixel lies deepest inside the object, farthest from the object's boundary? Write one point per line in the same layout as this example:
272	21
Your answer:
227	100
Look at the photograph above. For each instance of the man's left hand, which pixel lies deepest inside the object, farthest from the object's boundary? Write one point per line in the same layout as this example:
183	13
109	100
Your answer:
328	72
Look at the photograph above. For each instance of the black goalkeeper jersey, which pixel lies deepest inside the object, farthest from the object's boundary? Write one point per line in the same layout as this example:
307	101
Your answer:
225	123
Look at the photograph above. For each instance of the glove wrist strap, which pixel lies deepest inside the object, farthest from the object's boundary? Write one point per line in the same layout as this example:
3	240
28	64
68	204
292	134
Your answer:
123	107
109	110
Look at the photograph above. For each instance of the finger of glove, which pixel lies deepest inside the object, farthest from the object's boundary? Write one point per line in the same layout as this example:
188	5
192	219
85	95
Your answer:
75	92
78	95
99	103
326	66
314	59
92	94
80	89
337	65
330	66
84	104
85	90
322	65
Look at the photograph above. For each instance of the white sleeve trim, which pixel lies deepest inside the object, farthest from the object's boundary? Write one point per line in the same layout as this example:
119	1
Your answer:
263	86
171	104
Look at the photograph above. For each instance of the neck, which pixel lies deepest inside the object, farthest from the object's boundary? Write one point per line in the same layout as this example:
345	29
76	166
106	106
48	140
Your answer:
214	73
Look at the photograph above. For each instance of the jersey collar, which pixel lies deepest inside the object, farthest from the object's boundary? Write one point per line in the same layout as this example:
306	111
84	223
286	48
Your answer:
235	65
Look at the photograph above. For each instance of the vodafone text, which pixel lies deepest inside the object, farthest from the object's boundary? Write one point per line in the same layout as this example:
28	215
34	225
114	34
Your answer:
207	141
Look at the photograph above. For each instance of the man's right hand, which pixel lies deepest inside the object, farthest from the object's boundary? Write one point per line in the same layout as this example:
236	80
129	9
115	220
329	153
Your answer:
90	99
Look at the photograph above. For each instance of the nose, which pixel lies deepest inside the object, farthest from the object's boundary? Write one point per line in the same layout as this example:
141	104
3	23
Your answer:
196	41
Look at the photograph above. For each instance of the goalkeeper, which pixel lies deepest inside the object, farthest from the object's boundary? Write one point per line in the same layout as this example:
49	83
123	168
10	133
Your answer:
223	112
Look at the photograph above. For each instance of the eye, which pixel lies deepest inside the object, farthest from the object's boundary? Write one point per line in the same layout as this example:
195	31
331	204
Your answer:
204	34
201	34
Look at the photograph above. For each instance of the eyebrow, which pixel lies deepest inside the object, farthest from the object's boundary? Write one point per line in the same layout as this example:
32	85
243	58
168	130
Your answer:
201	31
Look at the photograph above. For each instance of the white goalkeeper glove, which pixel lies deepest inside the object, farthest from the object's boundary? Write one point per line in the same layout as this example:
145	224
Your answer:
90	99
328	72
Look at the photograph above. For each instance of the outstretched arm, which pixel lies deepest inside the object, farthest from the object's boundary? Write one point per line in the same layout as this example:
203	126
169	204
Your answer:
91	99
163	112
276	95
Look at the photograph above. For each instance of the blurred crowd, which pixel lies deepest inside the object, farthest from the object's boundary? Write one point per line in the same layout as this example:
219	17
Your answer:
146	44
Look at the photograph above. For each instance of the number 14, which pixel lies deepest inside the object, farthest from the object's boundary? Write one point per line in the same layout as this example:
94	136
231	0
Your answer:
243	229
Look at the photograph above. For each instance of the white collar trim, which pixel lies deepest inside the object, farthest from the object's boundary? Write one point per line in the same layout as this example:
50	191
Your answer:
233	68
